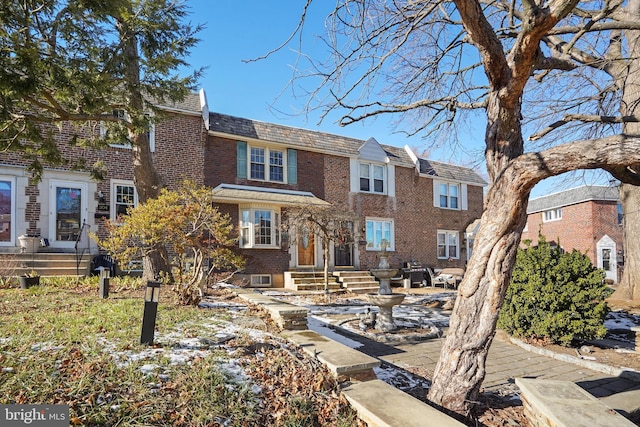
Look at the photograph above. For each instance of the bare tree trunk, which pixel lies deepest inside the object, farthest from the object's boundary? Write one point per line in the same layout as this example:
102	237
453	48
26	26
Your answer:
460	369
629	286
629	83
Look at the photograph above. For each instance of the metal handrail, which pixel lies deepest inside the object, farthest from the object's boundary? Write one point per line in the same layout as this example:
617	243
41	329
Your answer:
84	227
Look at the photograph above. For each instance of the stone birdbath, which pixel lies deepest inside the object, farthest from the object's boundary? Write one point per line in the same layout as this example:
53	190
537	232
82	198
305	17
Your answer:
384	299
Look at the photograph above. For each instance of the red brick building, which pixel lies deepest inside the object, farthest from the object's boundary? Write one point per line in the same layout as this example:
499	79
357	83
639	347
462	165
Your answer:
584	218
56	208
256	171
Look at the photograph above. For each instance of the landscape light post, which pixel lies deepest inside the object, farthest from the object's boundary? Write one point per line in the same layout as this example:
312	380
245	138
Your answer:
151	296
104	274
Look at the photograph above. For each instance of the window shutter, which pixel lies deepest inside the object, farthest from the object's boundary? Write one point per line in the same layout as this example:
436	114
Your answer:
436	193
391	182
292	166
463	197
241	155
354	174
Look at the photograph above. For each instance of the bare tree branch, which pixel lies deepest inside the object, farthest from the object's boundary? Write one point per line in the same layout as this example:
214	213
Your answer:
585	118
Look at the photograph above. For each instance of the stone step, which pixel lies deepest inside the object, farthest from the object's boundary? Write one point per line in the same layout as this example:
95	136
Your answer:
316	286
343	361
45	264
356	285
565	404
357	273
287	316
356	279
382	405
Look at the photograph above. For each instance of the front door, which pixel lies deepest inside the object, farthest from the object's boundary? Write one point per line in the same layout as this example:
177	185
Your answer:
306	249
7	211
343	246
607	257
67	212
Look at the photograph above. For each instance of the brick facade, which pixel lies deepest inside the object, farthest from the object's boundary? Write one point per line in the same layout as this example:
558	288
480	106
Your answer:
179	154
327	176
184	148
582	226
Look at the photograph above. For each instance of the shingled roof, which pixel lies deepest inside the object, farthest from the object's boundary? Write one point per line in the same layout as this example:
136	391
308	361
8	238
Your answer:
450	172
190	103
297	137
573	196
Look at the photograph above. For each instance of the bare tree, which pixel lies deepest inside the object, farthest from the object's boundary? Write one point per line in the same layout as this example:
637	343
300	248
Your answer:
327	222
437	63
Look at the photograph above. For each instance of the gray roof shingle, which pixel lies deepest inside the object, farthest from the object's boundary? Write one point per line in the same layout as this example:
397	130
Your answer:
449	171
297	137
332	144
572	196
190	103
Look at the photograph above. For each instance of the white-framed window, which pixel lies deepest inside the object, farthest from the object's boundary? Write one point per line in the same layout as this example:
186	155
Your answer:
122	115
449	195
379	230
259	227
552	215
267	164
448	244
123	197
261	280
620	213
373	178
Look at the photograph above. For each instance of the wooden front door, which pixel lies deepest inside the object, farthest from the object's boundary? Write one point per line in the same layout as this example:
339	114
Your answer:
306	249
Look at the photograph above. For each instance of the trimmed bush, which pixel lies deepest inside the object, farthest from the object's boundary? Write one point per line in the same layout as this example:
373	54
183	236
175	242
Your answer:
555	296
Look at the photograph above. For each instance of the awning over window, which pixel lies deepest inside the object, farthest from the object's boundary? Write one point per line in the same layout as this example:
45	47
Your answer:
231	193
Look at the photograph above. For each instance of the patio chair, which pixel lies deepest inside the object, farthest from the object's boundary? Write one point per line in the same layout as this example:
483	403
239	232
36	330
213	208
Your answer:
442	278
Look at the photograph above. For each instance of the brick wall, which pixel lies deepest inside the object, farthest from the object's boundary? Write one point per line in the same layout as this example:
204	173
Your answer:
179	154
221	167
416	220
581	227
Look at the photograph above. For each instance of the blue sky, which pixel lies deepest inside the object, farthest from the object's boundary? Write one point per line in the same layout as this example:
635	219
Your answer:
247	29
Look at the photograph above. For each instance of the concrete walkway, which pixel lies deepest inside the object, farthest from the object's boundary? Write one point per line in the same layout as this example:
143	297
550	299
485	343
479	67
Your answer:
507	361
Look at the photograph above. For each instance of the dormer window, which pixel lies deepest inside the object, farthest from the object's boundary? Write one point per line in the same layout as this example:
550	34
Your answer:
372	178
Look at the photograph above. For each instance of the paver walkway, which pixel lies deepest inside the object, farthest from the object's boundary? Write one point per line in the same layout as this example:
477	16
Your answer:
505	362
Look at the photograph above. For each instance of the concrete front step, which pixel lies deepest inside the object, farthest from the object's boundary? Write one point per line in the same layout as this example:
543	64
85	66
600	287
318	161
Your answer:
317	287
45	264
382	405
343	361
565	404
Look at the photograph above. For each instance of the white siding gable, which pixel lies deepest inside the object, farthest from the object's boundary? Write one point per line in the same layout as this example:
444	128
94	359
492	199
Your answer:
371	150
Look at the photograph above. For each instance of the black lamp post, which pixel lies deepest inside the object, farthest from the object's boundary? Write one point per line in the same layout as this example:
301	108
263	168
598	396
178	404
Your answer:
150	311
105	273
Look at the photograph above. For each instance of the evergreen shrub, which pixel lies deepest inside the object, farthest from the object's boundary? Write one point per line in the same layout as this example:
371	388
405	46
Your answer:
555	296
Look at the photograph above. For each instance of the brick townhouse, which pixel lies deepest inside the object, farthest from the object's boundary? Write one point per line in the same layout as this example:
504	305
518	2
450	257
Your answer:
256	171
56	208
585	218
